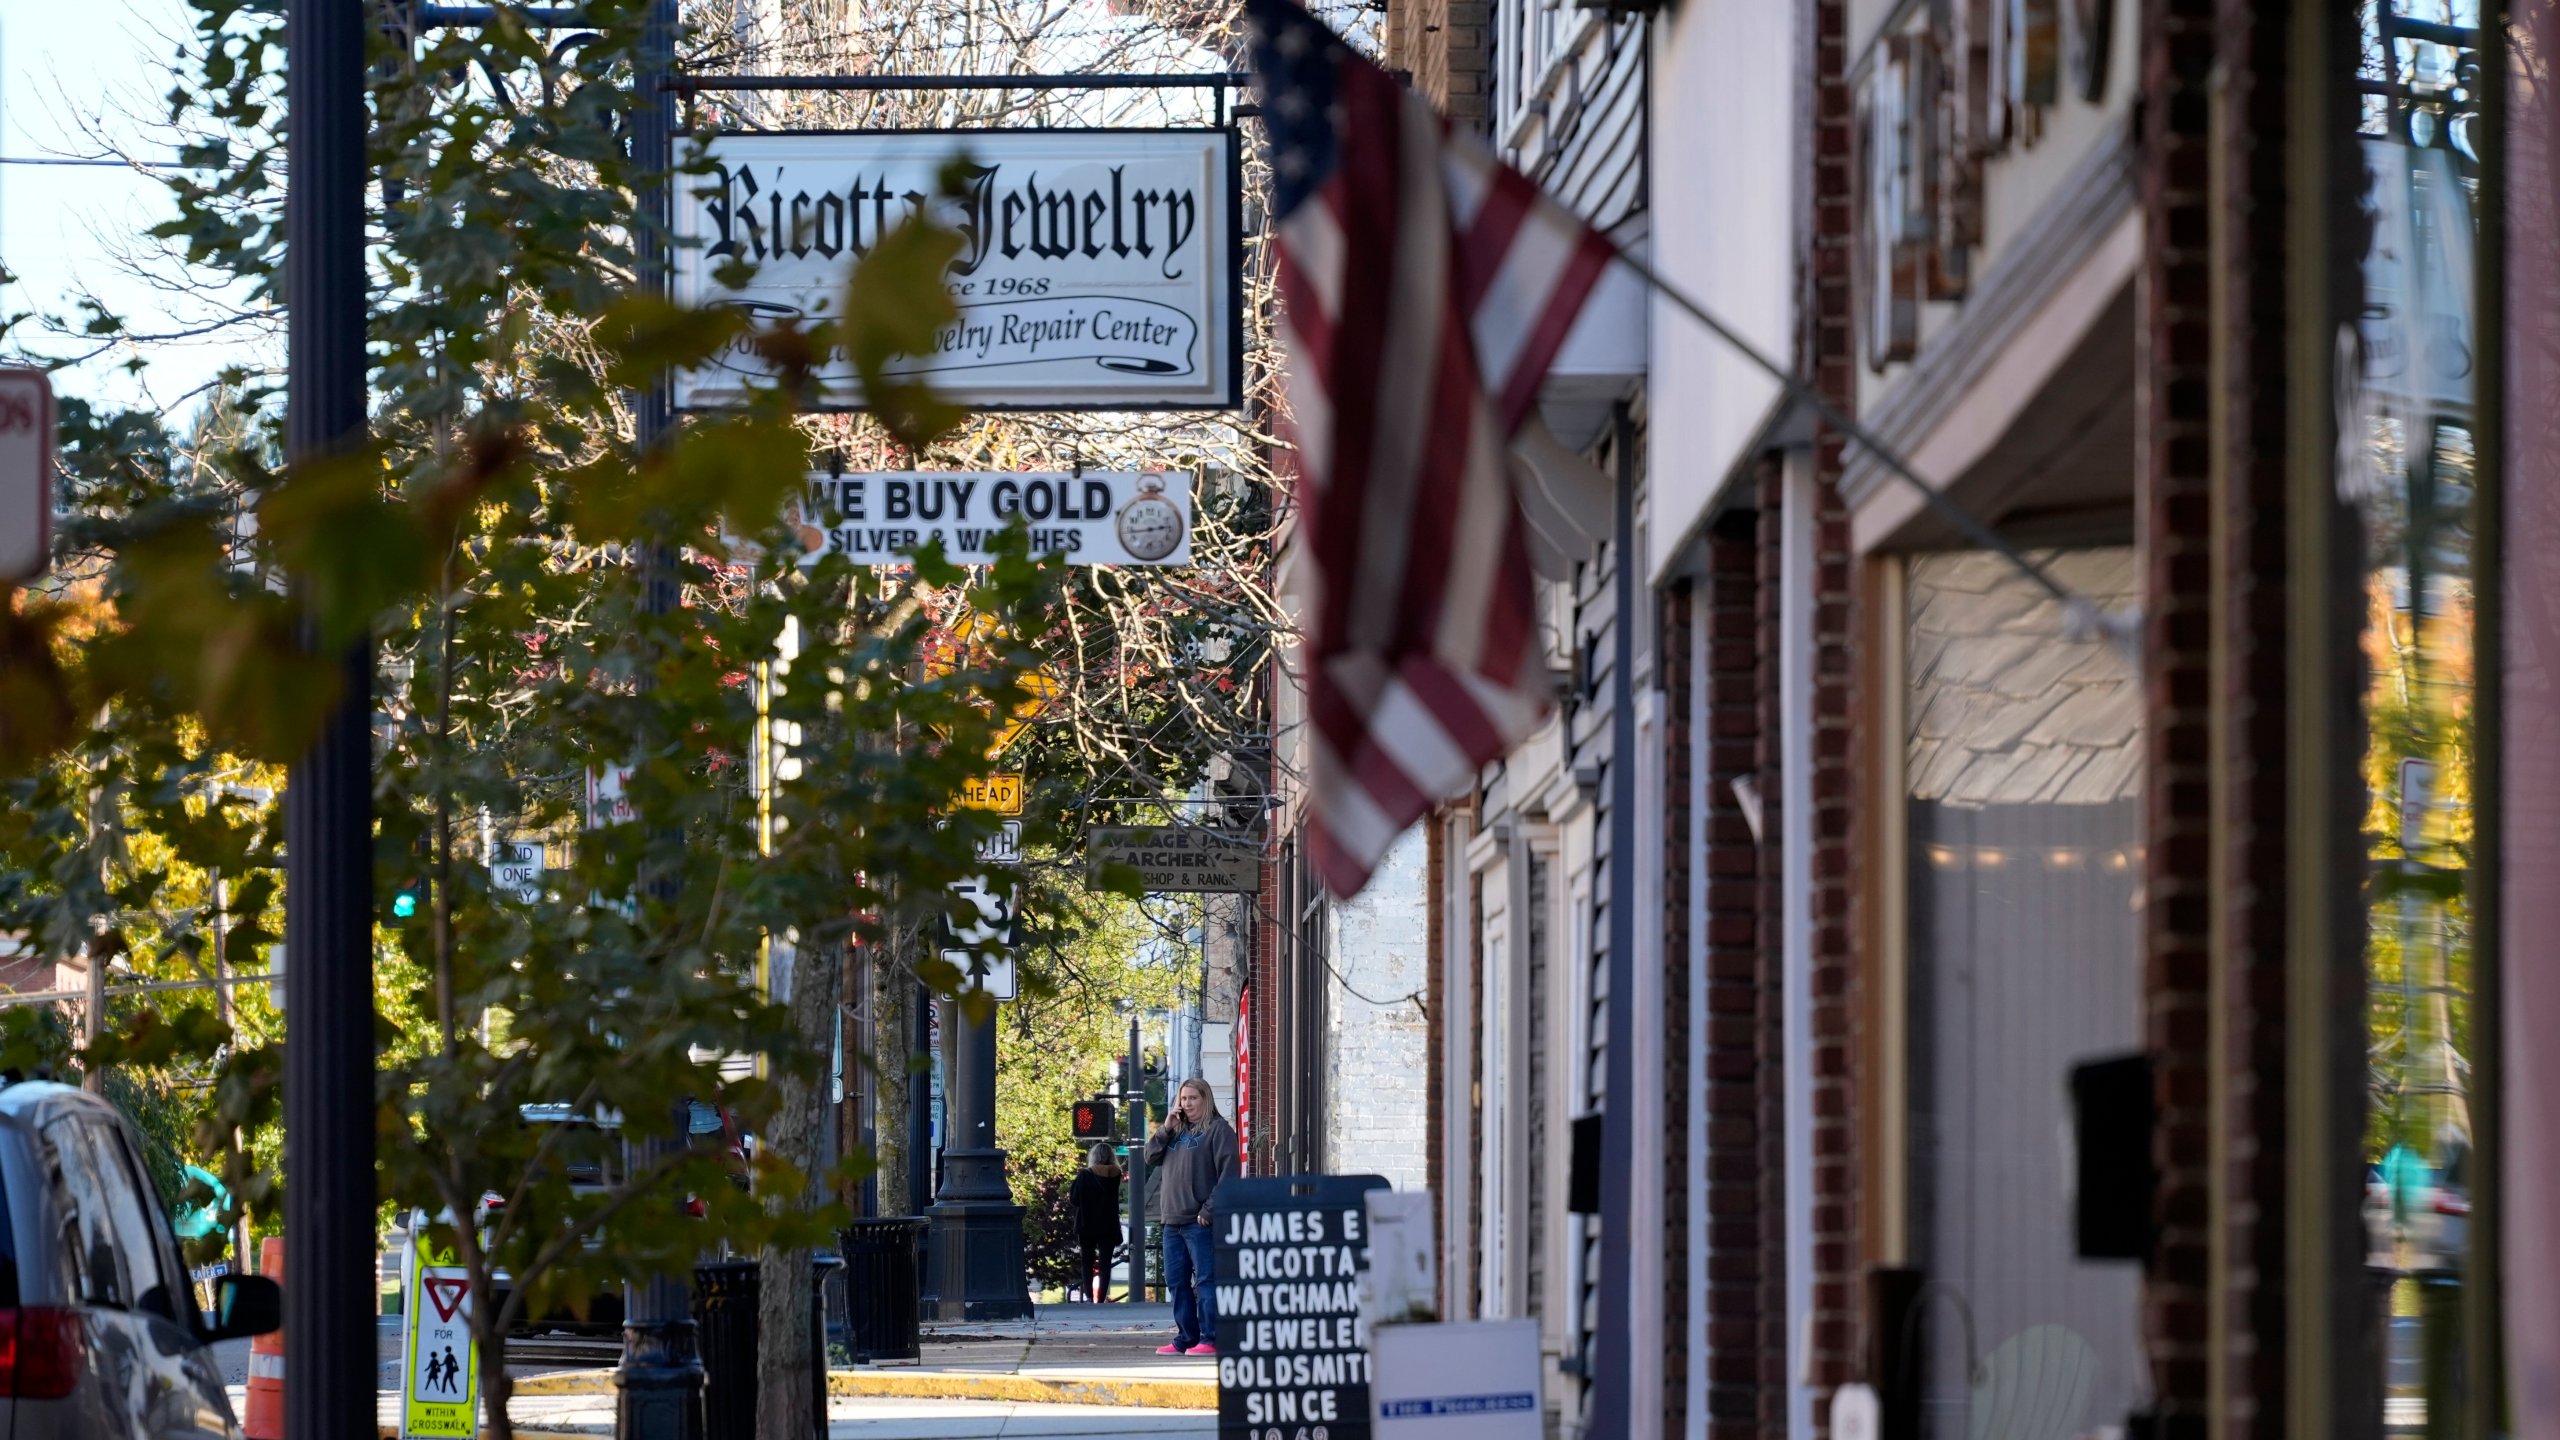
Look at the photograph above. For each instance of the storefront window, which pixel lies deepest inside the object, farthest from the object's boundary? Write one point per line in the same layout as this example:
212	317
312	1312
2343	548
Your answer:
2024	772
2407	466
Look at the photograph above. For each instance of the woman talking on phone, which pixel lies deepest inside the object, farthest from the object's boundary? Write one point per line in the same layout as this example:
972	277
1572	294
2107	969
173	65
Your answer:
1192	1151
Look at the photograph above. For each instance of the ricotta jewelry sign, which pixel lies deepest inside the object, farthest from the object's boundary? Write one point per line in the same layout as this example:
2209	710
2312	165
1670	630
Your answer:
1097	268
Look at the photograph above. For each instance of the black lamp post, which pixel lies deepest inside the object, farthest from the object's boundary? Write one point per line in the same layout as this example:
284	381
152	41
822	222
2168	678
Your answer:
329	1060
974	1266
658	1388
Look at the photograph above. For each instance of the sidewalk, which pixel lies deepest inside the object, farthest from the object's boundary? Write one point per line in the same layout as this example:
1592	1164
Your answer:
1064	1355
1069	1370
883	1419
1117	1338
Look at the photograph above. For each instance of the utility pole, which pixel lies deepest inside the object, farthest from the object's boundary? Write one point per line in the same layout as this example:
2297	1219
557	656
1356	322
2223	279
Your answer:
93	1017
919	1083
1133	1088
329	1060
658	1387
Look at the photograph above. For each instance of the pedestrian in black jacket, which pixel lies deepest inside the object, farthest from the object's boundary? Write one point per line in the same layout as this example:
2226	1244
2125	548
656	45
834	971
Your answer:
1094	1199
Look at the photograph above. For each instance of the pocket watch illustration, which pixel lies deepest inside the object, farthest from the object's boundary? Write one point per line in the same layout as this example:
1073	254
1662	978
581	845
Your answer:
1151	527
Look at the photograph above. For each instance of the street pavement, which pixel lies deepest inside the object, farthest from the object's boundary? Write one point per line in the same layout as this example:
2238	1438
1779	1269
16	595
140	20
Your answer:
1100	1337
975	1381
870	1418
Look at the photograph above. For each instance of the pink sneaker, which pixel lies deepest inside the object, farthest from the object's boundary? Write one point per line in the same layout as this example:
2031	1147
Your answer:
1169	1350
1203	1348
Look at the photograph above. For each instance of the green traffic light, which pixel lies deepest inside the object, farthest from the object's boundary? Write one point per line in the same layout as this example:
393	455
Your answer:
404	904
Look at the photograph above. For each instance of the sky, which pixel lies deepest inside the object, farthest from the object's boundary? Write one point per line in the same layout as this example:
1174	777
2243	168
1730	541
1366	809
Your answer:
70	68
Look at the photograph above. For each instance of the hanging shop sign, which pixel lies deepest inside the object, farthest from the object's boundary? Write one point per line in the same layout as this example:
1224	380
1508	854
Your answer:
1097	268
1293	1353
1178	859
1093	518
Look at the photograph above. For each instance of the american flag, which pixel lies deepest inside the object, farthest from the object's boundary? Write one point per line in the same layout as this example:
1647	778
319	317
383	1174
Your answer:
1426	288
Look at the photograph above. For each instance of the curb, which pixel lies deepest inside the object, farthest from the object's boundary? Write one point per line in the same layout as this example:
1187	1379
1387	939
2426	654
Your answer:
947	1385
1031	1389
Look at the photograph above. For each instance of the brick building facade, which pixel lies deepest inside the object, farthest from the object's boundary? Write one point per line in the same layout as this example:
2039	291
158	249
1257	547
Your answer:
2104	710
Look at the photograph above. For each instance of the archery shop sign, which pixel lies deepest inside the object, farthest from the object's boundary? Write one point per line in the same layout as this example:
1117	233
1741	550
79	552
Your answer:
1293	1356
1097	268
1177	859
878	518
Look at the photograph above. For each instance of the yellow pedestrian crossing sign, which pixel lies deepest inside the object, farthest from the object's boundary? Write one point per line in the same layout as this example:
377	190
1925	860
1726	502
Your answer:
439	1366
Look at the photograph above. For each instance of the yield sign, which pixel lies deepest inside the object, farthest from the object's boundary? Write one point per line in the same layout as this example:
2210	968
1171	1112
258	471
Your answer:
446	1295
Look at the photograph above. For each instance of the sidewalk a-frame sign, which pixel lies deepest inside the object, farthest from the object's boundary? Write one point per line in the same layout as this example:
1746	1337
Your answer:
439	1367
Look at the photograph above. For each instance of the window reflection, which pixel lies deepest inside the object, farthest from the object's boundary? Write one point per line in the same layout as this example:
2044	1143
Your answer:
2407	467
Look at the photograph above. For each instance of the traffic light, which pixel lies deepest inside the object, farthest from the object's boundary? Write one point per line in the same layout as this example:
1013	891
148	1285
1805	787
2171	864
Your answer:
1093	1120
406	900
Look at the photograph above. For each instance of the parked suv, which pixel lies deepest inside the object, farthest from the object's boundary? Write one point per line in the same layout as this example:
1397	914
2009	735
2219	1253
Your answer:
100	1338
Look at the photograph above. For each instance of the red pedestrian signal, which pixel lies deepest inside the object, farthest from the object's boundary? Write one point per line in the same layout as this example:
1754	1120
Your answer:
1093	1120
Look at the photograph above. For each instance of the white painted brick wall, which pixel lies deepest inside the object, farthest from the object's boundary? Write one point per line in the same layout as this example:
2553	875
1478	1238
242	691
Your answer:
1376	1086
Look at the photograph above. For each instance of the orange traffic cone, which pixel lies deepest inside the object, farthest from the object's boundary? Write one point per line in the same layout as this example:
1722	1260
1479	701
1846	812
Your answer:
265	1420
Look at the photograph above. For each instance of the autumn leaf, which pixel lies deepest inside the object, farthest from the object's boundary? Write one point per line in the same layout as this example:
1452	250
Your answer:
897	307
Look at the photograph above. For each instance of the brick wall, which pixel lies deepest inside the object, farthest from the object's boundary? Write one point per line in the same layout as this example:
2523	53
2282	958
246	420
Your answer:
1447	47
2213	412
1836	1260
2174	410
1435	1038
2254	544
1826	357
1263	1023
2175	395
1769	1082
1730	1048
1835	981
1675	673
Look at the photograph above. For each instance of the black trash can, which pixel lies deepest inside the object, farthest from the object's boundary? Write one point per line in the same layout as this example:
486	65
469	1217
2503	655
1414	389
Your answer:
883	1278
726	1294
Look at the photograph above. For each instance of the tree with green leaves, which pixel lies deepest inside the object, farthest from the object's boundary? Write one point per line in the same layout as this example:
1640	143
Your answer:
488	534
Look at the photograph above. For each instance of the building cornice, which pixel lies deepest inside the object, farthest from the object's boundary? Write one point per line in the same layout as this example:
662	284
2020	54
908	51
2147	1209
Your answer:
2091	202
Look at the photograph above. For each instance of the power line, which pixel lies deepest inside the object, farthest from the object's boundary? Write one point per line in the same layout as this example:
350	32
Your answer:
116	164
47	997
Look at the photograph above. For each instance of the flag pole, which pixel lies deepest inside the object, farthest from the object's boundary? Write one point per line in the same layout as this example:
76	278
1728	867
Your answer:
2084	614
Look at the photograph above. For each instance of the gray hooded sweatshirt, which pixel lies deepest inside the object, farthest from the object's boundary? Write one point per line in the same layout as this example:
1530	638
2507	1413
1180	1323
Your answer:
1191	1162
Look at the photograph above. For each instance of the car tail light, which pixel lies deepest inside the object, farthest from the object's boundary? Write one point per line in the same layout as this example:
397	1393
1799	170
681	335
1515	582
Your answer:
39	1352
2448	1203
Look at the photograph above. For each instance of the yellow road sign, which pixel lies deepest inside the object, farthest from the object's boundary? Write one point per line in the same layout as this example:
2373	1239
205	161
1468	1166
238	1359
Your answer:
439	1369
970	632
1000	793
1044	688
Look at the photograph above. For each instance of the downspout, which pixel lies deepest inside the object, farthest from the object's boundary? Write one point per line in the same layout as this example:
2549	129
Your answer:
1795	928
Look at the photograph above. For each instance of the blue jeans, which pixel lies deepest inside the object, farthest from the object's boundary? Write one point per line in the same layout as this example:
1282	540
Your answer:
1187	1262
